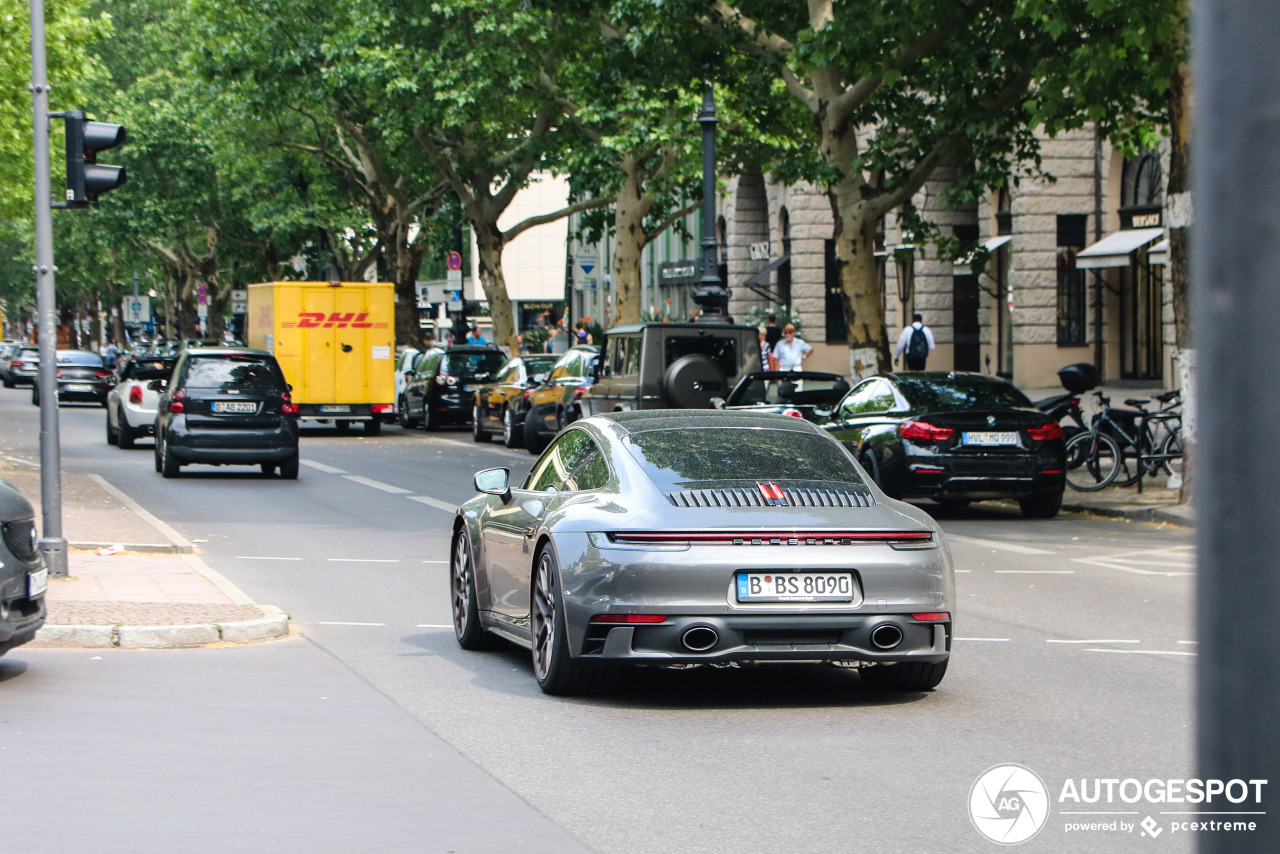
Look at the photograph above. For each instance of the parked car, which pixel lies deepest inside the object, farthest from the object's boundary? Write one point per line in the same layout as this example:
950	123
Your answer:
133	402
226	406
404	364
82	376
810	395
21	365
23	575
670	366
442	388
953	437
556	402
501	404
675	538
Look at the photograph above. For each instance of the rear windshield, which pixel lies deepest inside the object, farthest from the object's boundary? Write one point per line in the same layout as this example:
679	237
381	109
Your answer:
148	369
221	372
87	360
540	364
957	393
751	454
472	366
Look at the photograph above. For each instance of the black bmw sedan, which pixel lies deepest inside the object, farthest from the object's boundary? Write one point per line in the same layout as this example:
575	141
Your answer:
953	437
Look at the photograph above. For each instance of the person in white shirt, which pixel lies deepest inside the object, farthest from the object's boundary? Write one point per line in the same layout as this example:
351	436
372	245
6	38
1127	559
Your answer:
913	349
791	351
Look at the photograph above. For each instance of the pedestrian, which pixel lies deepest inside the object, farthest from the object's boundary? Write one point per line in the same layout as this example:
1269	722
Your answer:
477	337
914	344
772	334
768	361
522	347
791	351
582	336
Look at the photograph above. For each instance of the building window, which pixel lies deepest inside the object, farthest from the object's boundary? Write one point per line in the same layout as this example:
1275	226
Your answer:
1072	302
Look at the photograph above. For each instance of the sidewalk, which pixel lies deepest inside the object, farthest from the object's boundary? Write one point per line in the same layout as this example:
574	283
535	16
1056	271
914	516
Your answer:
134	582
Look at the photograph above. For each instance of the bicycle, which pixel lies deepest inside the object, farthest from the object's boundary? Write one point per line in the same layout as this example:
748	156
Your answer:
1121	444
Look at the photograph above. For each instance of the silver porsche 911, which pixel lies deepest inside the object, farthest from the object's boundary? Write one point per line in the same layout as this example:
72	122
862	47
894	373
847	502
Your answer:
699	537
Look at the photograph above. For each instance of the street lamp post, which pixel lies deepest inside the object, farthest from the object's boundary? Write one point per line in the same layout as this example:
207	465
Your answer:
711	296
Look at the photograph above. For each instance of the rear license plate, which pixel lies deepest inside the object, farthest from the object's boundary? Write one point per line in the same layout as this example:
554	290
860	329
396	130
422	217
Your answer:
468	388
238	406
79	387
335	407
991	439
795	587
37	582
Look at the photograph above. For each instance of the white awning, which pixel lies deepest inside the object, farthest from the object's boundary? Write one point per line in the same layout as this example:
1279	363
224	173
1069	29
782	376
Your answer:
1159	254
1113	250
991	244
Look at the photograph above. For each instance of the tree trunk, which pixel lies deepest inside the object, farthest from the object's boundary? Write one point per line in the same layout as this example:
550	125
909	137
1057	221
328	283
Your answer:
489	241
860	294
629	242
404	259
1179	222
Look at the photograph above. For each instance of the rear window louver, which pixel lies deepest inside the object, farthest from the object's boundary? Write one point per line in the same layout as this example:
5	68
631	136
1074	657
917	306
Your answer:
743	497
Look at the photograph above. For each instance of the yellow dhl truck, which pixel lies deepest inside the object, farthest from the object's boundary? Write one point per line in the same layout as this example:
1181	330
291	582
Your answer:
335	342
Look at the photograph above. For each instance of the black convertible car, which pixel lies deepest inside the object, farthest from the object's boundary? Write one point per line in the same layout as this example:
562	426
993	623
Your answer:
953	437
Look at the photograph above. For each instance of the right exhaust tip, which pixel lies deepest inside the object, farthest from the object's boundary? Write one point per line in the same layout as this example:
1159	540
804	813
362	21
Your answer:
699	638
886	636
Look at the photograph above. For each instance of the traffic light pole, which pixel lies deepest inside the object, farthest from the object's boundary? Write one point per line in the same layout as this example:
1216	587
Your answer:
52	544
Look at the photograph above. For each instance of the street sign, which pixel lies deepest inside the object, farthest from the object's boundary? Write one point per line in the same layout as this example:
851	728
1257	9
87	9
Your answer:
136	309
586	271
455	300
202	310
202	295
239	294
454	280
239	306
455	261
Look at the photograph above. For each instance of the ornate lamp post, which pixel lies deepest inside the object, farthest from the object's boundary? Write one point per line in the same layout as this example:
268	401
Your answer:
711	295
904	259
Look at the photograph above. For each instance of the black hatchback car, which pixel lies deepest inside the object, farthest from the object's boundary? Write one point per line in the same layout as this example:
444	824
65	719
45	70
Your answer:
227	406
23	576
441	387
953	437
82	376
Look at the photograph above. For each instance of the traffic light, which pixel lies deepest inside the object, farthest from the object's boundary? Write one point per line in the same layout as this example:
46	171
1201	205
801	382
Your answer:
86	178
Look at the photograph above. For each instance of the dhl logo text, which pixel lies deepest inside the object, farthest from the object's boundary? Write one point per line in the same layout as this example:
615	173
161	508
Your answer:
320	320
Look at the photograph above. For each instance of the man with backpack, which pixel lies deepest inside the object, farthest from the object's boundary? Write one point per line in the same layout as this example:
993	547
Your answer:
915	343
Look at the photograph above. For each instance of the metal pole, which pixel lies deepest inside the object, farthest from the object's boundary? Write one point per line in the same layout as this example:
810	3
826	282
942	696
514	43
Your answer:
52	544
710	295
1236	178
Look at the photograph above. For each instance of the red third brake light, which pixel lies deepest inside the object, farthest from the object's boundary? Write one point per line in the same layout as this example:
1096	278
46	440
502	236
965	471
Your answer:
1047	433
920	431
288	407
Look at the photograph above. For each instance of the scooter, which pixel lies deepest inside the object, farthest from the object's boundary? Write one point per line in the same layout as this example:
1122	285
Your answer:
1076	379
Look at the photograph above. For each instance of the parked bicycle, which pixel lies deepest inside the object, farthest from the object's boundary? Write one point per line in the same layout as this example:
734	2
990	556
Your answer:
1123	445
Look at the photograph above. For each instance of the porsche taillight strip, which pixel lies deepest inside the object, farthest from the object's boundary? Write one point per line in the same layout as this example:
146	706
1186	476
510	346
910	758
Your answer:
773	538
791	496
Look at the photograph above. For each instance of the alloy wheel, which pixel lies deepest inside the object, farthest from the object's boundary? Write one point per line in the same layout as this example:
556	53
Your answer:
461	585
544	618
508	428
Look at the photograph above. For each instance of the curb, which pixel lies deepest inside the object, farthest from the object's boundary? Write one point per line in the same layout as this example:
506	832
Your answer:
1138	514
273	624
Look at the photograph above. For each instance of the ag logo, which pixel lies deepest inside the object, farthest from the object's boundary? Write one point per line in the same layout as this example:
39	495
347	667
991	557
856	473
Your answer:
1009	804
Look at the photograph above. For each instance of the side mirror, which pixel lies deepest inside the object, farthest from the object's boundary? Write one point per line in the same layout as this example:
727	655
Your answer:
288	386
494	482
156	385
539	379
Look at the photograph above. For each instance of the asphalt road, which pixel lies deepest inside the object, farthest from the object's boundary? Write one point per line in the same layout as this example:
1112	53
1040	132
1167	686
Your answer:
1074	657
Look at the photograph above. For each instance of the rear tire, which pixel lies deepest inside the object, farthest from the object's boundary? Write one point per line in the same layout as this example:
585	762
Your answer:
124	433
1043	504
512	436
533	442
430	421
112	437
402	414
268	469
478	433
169	466
904	676
1090	475
372	427
556	671
289	468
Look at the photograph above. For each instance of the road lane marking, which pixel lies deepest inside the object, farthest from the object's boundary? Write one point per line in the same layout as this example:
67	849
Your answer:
433	502
322	467
431	626
362	560
1060	640
1174	560
992	640
996	544
1143	652
1035	572
338	623
1192	642
436	561
264	557
376	484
